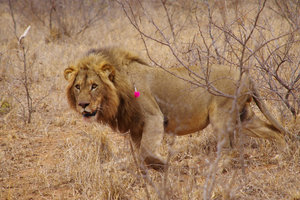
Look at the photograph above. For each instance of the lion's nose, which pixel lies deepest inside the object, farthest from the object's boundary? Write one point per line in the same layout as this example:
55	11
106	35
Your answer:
84	104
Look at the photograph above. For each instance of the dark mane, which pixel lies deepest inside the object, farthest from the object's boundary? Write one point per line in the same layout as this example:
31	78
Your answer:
129	115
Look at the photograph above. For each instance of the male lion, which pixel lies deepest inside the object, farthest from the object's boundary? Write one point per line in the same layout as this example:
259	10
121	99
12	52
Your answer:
102	85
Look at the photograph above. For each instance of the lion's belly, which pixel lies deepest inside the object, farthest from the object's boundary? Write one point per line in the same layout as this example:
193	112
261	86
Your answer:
182	125
185	110
189	117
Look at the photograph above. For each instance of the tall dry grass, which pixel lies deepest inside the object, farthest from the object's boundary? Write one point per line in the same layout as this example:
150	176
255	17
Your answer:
59	156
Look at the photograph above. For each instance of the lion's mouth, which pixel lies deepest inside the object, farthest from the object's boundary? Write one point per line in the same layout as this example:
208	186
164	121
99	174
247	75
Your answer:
89	114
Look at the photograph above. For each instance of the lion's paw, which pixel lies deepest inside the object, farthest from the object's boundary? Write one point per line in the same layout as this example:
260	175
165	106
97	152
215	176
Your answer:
155	163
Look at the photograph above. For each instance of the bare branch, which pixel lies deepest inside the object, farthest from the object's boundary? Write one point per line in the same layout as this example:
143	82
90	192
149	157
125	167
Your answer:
13	18
163	2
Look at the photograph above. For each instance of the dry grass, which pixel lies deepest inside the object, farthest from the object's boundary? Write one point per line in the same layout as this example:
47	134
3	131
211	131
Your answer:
59	156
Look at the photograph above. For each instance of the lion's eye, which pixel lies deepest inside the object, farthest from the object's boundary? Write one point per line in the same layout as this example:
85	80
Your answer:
94	86
77	86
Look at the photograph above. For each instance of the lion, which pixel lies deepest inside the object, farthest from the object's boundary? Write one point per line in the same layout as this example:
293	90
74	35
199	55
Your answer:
102	86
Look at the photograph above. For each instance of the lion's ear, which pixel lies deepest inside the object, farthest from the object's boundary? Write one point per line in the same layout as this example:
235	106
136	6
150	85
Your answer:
69	72
109	71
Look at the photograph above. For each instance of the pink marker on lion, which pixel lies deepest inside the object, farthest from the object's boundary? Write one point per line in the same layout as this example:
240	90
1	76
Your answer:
136	93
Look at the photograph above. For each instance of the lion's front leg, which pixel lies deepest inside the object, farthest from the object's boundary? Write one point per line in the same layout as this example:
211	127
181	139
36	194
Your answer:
151	140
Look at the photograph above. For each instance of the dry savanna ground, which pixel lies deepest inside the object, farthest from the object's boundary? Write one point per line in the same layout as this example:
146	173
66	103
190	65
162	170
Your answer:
57	155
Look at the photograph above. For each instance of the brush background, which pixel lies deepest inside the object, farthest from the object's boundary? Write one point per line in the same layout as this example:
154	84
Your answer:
60	156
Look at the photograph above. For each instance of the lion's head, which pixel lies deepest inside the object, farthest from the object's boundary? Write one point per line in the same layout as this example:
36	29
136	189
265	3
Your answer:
98	88
91	89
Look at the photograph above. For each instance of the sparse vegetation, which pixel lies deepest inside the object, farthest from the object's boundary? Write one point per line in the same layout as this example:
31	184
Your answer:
60	156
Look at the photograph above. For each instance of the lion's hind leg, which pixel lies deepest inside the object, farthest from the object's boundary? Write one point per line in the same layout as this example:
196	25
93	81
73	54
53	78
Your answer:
223	123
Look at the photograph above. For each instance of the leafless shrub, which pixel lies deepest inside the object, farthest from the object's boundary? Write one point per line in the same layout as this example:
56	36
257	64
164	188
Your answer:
24	60
27	62
236	41
246	40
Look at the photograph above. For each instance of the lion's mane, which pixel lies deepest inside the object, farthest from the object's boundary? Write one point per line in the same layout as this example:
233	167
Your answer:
120	109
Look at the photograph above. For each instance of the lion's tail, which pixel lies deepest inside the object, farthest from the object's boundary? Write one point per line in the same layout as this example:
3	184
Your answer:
262	106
